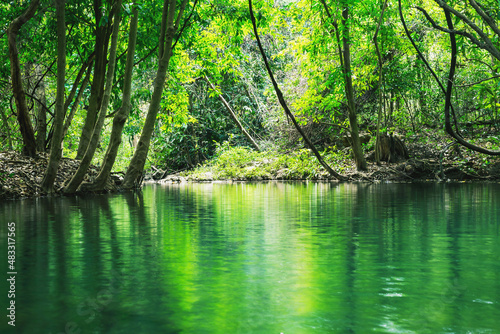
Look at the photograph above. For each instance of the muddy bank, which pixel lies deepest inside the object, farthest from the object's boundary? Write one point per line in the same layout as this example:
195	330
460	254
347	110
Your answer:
21	176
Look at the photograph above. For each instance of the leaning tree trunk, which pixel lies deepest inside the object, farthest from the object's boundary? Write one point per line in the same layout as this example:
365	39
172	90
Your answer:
121	116
23	118
77	178
55	147
136	166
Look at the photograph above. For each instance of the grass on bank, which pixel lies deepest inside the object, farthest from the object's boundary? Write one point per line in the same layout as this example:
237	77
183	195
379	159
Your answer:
243	163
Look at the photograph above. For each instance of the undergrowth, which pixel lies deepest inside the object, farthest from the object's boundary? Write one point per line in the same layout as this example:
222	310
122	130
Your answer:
243	163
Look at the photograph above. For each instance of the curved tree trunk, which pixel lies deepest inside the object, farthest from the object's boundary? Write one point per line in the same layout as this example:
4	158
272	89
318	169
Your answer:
136	166
77	178
285	106
121	116
55	147
23	118
448	90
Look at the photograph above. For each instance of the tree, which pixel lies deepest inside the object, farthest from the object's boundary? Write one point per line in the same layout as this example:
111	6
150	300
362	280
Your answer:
77	178
171	25
102	35
55	147
483	41
284	104
122	114
345	61
17	86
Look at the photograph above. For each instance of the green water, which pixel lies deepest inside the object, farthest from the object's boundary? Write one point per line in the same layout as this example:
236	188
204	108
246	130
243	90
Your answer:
258	258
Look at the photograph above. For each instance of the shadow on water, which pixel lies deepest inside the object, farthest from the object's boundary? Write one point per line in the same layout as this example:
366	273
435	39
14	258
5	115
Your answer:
259	258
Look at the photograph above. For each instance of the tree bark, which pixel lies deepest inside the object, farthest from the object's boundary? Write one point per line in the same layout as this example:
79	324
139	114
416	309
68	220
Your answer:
233	116
136	166
23	117
55	147
284	104
121	116
77	178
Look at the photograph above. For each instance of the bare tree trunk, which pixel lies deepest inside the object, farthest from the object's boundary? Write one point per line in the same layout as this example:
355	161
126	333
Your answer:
23	118
233	116
136	166
77	178
55	147
121	116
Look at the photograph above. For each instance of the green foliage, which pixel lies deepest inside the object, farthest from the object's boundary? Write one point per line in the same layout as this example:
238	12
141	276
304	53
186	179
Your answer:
243	163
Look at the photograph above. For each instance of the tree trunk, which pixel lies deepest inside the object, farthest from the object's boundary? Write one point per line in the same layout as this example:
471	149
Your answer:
233	116
349	89
23	118
55	147
77	178
121	116
136	166
97	87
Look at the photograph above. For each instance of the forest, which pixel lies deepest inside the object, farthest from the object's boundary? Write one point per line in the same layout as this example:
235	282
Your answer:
101	95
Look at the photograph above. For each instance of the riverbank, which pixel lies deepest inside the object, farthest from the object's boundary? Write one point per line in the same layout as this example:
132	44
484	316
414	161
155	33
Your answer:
426	162
21	176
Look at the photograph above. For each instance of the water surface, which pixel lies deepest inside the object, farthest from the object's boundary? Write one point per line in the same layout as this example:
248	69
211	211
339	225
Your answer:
259	258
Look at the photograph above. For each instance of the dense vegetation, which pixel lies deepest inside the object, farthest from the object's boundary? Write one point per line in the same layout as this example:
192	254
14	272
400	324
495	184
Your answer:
129	86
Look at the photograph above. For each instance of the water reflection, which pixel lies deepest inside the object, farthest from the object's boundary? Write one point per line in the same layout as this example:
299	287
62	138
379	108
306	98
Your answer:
260	258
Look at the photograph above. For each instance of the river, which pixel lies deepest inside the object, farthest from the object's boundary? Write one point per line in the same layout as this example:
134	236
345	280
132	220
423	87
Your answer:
275	257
